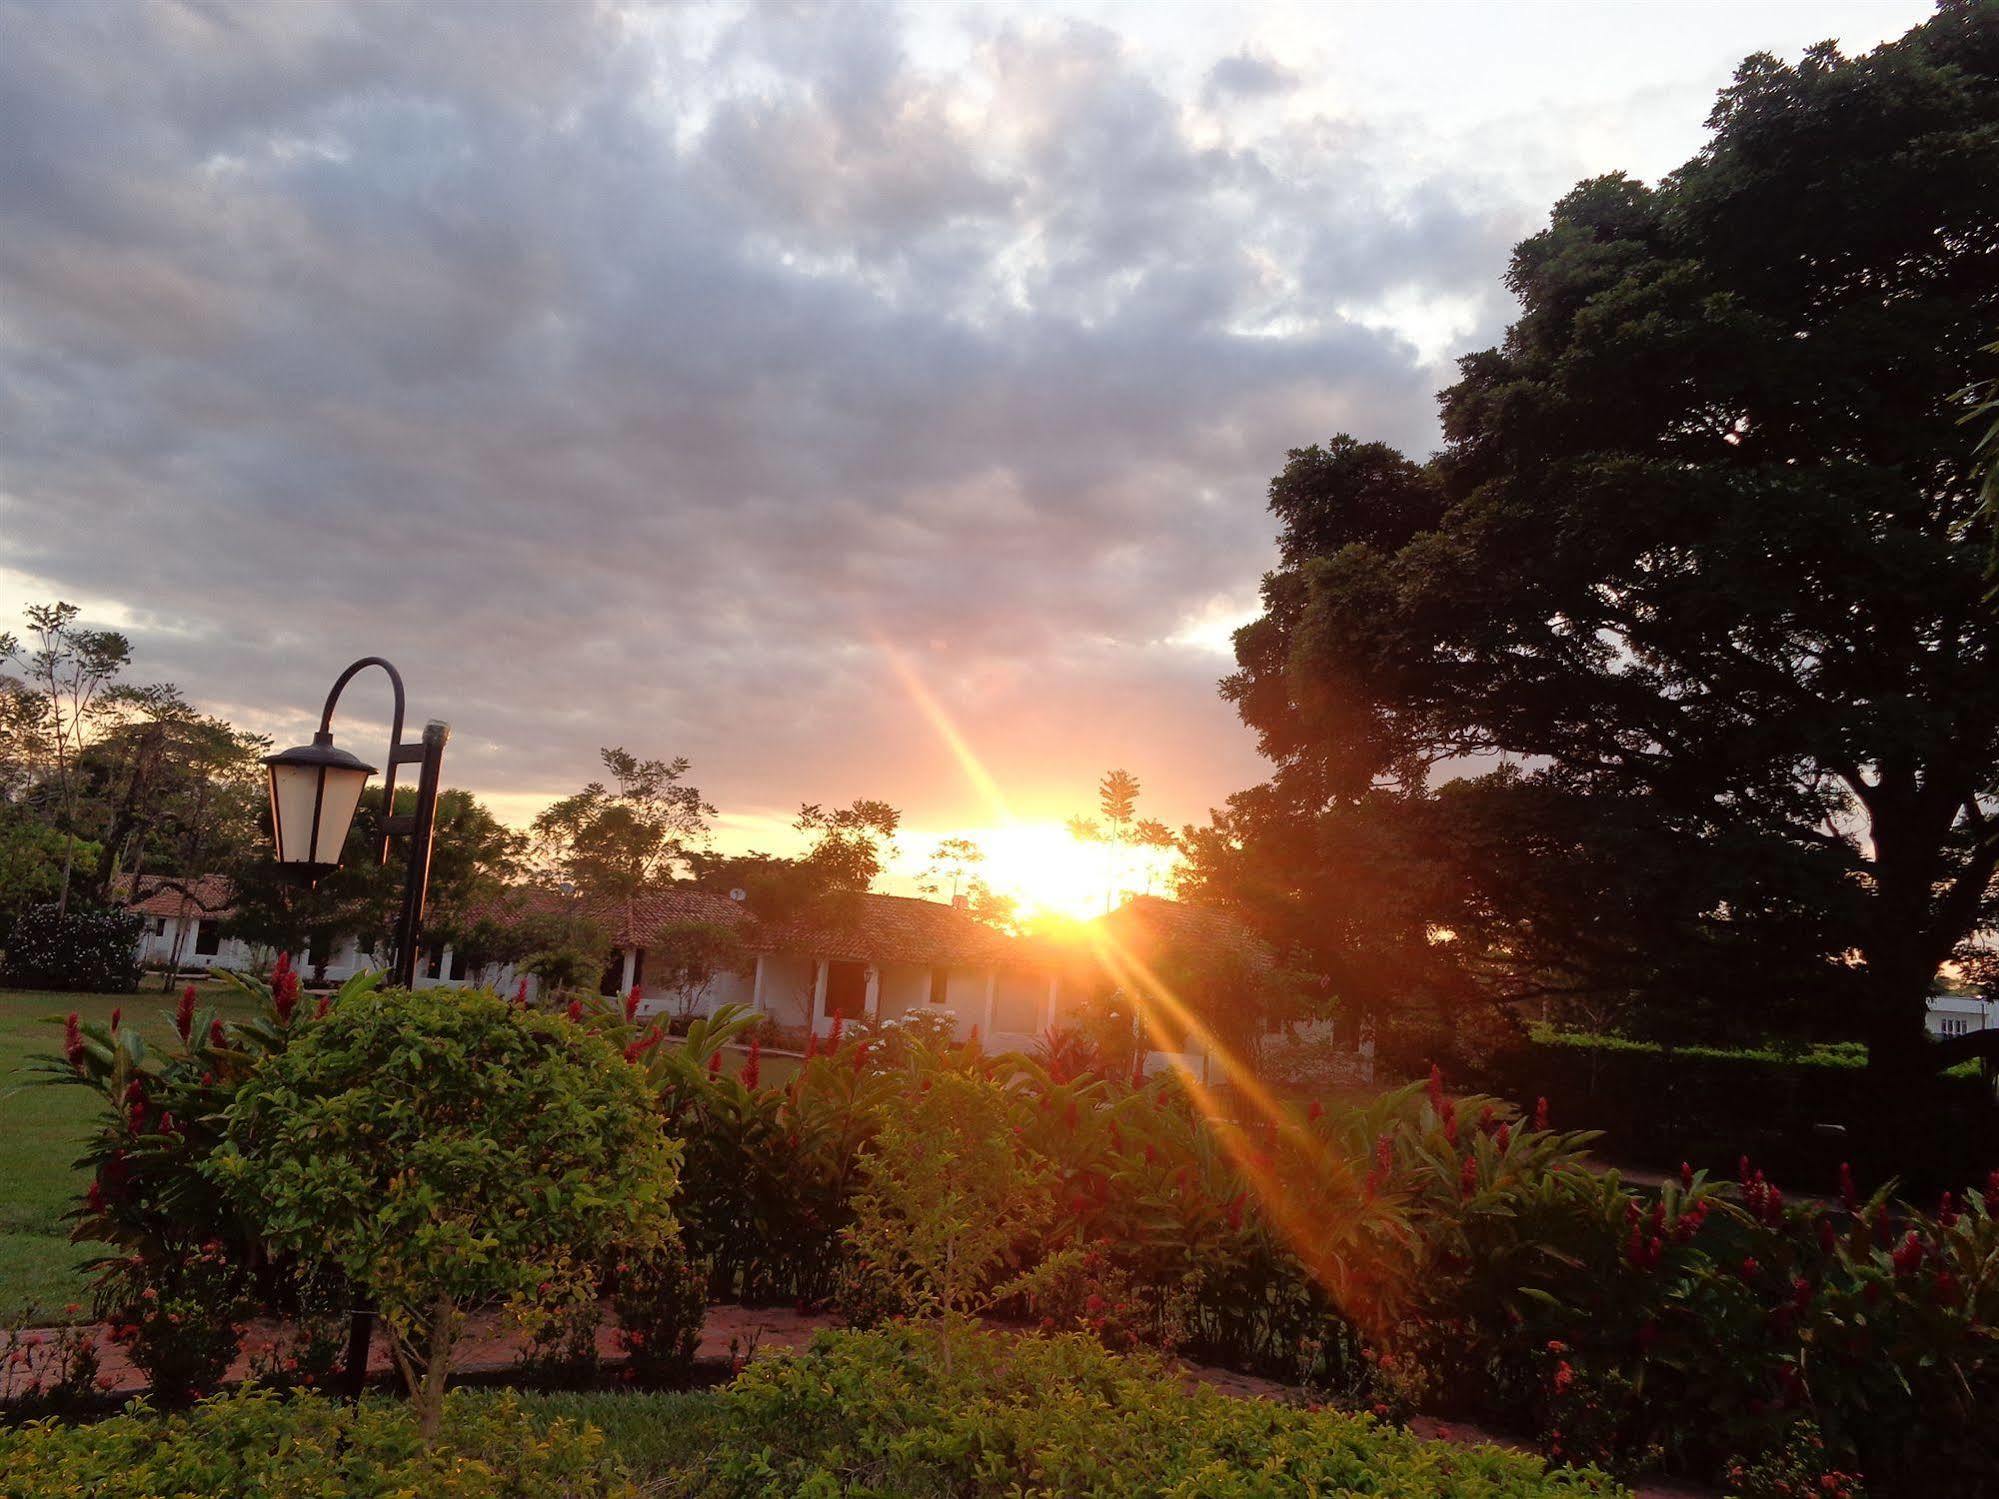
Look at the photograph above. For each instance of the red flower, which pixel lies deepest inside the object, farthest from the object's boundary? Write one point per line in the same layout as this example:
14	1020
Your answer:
284	988
117	1015
320	1010
1908	1258
521	993
1828	1240
643	1045
811	1045
839	1030
576	1009
1564	1376
861	1055
1235	1209
1436	1087
72	1041
1749	1268
1504	1139
1849	1195
1946	1211
714	1064
1686	1176
1315	1110
184	1015
1541	1113
753	1064
1468	1176
632	1004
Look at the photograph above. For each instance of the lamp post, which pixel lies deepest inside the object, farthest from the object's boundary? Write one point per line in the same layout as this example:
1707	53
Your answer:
315	790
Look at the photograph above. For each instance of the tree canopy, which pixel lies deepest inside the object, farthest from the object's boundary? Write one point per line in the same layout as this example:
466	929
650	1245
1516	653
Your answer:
1670	678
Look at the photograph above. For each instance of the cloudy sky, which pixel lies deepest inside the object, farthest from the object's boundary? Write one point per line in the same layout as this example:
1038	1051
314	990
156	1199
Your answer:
789	387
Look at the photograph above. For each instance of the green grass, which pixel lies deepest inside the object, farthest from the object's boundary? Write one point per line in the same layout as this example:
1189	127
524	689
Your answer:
41	1134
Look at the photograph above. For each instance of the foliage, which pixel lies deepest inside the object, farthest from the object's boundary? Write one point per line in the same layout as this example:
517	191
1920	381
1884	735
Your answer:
79	949
446	1151
686	957
617	841
948	1194
255	1442
851	845
888	1413
177	1319
660	1301
1702	560
31	861
53	1372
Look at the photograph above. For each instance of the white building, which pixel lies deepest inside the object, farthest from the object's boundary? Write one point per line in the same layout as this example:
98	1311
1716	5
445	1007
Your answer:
184	920
1951	1015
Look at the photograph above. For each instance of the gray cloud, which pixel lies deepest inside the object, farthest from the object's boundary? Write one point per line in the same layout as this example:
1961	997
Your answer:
629	381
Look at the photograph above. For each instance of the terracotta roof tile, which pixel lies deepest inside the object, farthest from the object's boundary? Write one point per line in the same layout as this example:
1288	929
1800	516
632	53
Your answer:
170	895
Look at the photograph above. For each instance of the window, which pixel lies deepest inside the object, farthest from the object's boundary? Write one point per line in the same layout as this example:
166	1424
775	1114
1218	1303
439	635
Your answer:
457	964
159	926
940	985
207	939
434	963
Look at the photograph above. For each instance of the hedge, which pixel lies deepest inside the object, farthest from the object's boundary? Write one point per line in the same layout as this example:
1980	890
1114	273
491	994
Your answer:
1659	1105
83	950
256	1443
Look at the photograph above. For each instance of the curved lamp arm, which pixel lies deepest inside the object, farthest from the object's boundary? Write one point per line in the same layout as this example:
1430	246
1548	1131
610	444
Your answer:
325	736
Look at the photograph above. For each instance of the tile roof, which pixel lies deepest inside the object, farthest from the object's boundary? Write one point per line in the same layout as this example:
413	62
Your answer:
865	928
1152	919
170	895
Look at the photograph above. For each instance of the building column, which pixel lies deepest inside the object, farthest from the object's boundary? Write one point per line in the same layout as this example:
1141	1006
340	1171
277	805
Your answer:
757	987
630	975
992	983
1054	991
820	967
871	1002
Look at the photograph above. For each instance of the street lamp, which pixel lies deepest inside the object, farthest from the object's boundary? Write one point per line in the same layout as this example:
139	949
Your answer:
316	789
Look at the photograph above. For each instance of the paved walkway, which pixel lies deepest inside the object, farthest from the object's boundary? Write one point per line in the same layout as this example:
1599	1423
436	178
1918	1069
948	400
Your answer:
734	1332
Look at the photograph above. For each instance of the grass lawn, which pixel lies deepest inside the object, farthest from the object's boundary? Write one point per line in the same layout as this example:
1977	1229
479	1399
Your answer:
41	1134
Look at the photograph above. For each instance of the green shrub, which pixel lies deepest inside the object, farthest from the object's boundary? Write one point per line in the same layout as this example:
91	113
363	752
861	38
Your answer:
80	950
258	1443
883	1413
447	1151
177	1320
660	1302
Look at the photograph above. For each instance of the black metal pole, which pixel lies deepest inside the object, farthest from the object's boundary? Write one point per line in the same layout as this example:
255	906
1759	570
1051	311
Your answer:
416	880
429	755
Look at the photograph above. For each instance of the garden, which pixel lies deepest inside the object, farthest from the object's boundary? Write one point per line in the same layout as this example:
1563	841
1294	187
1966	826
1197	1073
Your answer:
1025	1254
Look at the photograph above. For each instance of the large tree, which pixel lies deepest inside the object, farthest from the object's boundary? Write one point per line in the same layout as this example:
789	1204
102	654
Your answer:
1700	565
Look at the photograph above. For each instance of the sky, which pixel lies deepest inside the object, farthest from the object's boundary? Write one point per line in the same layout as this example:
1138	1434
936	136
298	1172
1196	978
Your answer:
858	400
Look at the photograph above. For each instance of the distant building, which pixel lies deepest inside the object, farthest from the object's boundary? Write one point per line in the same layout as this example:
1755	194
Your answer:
183	921
1951	1015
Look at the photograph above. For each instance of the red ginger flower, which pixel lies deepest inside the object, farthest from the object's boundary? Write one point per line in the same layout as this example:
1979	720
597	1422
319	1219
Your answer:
1908	1257
1504	1139
72	1041
753	1064
1468	1176
811	1045
1315	1110
284	988
184	1015
1686	1176
1946	1211
1541	1113
643	1045
1436	1087
217	1037
714	1064
521	994
325	1005
632	1004
1849	1195
840	1029
576	1009
861	1056
117	1015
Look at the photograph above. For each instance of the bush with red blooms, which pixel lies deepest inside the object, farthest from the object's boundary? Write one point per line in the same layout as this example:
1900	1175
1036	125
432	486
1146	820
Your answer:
178	1321
660	1300
53	1371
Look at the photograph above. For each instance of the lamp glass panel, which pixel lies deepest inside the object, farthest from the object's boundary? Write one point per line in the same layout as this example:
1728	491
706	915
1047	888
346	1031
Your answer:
336	812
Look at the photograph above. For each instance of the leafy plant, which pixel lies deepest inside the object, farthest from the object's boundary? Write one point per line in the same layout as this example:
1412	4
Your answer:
447	1151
